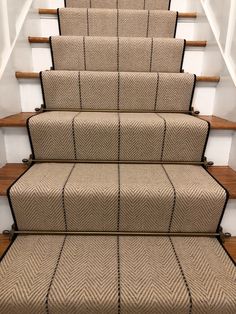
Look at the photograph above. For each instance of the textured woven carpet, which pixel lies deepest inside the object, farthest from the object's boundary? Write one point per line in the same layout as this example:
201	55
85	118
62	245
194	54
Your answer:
95	274
120	4
126	23
117	136
127	90
117	150
103	197
122	54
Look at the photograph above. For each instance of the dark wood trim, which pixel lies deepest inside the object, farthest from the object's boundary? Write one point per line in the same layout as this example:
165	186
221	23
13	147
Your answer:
45	40
34	75
8	174
227	177
16	120
19	120
182	15
219	123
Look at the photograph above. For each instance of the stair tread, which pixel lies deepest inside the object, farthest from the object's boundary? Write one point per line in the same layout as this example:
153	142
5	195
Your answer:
188	15
219	123
8	174
224	174
35	75
16	120
227	177
45	40
146	194
19	120
86	274
95	136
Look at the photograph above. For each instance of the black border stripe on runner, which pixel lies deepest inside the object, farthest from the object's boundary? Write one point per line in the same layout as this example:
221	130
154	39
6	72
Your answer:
52	55
42	88
8	248
176	22
59	22
29	134
226	251
9	197
226	200
207	137
193	90
182	58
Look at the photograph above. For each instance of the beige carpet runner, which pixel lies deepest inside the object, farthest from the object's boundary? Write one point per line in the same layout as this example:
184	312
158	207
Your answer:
117	150
128	91
120	4
126	23
122	54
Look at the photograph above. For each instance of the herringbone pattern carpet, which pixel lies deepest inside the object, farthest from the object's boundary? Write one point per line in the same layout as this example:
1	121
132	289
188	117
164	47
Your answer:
120	4
113	136
124	54
97	274
103	197
127	90
122	23
117	150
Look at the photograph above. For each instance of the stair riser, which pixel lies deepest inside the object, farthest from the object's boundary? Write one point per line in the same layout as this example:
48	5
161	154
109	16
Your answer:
49	27
180	5
227	222
31	96
18	147
42	58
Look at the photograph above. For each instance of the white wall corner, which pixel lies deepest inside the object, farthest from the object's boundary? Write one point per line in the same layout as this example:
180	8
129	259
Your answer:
214	63
232	157
3	158
19	59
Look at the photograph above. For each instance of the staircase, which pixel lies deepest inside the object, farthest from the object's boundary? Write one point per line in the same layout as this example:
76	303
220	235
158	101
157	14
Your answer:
116	209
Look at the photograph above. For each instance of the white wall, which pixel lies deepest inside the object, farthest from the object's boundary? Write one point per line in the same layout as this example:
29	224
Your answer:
26	95
218	33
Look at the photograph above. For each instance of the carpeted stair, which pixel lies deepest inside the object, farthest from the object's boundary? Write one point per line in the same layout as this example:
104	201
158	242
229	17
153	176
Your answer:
117	213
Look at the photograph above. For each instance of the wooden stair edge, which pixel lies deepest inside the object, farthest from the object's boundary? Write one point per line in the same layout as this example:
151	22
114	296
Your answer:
230	245
19	120
218	123
11	171
189	43
185	15
16	120
35	75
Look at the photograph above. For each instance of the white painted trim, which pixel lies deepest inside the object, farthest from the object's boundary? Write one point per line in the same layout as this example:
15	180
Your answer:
21	19
215	30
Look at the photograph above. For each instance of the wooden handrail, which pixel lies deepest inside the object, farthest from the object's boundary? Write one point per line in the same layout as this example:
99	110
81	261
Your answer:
34	75
187	15
45	40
